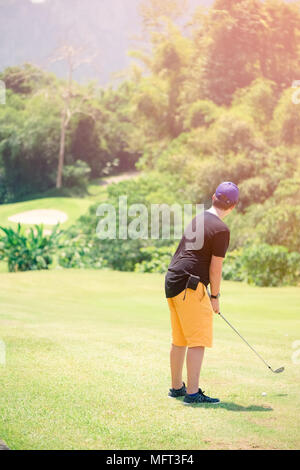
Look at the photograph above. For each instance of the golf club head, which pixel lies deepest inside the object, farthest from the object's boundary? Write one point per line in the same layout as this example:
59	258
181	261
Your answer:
277	371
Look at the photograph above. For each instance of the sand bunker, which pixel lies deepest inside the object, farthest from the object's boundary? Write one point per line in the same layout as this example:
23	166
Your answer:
40	216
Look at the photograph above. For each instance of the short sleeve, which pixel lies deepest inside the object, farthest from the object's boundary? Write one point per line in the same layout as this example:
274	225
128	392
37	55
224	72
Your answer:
220	243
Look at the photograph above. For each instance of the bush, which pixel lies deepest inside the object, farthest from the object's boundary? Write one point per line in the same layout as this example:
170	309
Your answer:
232	134
201	113
232	267
258	101
286	123
158	259
79	252
263	265
253	190
28	251
124	254
76	175
279	225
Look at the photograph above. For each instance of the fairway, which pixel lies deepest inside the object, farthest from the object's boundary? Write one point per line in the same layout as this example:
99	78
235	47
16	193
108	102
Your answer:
87	366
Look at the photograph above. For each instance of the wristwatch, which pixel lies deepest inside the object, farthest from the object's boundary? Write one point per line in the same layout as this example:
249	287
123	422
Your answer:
214	296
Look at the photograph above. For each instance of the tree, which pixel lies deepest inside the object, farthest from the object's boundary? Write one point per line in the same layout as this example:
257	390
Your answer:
73	57
158	94
286	121
279	42
155	12
241	40
29	137
107	142
26	79
258	101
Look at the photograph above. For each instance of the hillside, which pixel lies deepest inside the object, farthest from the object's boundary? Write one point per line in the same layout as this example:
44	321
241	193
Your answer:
30	32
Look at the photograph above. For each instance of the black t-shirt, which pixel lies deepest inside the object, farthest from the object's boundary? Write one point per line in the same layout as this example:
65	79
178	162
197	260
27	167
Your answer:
216	237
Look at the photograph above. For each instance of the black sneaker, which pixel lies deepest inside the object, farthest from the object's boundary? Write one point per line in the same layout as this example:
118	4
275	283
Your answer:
199	398
181	392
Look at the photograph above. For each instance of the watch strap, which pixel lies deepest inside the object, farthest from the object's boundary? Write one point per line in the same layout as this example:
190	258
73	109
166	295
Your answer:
214	296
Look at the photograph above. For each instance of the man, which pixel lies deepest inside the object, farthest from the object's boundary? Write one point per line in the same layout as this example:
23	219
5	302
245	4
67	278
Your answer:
191	307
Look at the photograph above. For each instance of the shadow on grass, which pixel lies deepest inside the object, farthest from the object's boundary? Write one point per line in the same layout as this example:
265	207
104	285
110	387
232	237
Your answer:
229	406
3	446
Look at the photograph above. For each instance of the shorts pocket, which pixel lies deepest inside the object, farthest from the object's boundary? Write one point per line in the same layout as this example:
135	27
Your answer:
200	291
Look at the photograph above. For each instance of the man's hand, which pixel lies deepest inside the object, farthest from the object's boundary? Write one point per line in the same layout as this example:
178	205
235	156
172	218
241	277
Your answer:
215	276
215	305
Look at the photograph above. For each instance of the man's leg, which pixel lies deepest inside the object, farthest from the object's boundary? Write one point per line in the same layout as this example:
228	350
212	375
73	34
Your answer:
194	360
177	355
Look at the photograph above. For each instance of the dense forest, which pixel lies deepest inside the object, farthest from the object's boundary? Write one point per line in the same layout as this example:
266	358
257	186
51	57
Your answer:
211	98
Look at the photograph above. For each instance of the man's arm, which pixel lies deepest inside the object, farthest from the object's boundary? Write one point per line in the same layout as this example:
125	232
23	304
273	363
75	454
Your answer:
215	277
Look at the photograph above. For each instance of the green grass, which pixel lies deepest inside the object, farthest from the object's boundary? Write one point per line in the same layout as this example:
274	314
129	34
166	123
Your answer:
73	207
65	200
88	368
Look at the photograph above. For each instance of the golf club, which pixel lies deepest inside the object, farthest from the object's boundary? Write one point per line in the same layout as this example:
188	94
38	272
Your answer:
276	371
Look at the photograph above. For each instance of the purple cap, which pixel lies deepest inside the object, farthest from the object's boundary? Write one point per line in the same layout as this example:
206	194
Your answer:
228	192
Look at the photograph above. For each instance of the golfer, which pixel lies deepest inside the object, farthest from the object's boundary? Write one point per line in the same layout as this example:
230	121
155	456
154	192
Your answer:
191	269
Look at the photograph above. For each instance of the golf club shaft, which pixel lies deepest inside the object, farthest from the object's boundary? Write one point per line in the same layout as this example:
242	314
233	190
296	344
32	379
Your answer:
258	355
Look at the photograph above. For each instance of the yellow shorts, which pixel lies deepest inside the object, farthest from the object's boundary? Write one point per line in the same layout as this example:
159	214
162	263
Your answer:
192	318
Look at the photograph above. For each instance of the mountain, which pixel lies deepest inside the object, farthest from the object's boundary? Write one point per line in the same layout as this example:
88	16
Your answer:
31	30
